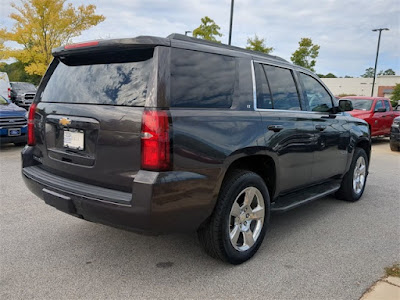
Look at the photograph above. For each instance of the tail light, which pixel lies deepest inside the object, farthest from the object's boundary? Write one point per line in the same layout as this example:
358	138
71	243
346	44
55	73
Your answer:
31	125
9	93
155	144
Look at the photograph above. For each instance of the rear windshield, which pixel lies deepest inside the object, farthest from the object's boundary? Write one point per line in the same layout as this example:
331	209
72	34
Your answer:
119	83
361	104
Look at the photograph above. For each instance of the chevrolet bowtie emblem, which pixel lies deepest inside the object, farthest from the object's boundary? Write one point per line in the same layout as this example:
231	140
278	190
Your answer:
64	121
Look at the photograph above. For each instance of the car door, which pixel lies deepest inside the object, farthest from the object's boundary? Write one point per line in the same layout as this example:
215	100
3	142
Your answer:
331	135
378	118
288	130
388	117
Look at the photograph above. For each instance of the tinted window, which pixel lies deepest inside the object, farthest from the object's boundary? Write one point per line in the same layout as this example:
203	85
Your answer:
315	94
102	83
283	88
201	79
387	105
378	104
264	99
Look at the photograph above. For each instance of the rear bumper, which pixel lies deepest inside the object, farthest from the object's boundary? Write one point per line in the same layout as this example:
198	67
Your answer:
160	202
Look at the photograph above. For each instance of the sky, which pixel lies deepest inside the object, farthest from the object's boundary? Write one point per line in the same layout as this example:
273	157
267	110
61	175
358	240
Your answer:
342	28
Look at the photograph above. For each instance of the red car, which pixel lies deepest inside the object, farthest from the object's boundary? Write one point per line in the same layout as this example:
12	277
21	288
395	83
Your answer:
377	111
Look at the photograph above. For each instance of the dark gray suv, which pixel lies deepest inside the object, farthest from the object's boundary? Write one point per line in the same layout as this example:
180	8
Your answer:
179	134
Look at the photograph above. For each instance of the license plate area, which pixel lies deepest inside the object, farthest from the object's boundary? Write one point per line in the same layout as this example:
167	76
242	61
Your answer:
74	139
14	132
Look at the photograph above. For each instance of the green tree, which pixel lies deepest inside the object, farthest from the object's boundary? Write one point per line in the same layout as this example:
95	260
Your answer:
41	25
396	95
387	72
330	75
16	72
369	73
306	54
207	30
257	44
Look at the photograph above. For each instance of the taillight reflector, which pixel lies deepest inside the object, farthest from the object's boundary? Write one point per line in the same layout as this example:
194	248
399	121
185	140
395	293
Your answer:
155	141
9	93
81	45
31	125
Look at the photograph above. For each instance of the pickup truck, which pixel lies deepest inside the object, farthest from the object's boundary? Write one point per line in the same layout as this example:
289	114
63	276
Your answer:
377	111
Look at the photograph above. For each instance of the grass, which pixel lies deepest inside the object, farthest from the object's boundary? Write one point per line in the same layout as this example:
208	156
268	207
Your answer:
393	270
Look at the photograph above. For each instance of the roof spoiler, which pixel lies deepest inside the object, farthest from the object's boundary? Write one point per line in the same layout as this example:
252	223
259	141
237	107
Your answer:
140	42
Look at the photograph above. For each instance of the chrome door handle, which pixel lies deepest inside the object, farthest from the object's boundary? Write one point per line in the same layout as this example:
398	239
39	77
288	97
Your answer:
275	128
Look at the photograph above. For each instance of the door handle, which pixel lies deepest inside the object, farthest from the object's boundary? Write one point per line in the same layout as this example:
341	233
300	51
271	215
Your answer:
330	116
383	116
275	128
320	127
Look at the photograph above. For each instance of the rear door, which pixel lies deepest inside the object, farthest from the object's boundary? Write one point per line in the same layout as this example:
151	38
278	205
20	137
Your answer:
389	116
331	133
88	119
378	118
288	129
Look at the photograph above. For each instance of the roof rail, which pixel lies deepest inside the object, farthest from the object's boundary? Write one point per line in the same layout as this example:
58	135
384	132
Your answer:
181	37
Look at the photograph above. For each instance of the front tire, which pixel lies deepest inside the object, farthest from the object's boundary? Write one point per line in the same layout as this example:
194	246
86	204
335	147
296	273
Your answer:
353	183
238	224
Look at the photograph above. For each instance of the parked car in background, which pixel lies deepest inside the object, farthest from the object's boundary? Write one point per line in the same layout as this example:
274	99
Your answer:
13	124
22	93
377	111
5	87
181	134
395	135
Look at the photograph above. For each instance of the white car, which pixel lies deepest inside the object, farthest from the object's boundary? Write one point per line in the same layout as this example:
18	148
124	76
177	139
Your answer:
5	87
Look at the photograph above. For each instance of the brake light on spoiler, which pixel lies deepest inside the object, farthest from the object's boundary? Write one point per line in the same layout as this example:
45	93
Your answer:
82	45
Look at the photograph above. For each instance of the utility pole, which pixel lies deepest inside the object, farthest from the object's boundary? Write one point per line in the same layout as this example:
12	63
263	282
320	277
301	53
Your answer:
376	59
230	25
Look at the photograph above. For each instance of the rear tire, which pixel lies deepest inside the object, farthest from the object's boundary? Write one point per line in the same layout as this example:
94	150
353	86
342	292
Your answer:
394	147
238	224
353	183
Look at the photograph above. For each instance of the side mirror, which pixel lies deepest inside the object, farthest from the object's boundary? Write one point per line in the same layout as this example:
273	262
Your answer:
381	109
345	105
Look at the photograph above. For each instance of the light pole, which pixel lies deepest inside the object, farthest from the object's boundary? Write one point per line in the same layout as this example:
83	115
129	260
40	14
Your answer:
376	59
187	31
230	25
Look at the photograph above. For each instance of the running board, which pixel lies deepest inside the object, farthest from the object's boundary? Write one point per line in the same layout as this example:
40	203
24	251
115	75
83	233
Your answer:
295	199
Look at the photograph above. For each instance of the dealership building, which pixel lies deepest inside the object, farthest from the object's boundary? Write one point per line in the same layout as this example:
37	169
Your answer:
384	85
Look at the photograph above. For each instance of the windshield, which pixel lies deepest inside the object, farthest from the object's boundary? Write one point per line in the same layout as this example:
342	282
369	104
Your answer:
25	86
3	101
361	104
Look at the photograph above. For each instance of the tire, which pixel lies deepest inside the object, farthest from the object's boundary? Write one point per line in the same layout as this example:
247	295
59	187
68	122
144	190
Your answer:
353	183
394	147
246	221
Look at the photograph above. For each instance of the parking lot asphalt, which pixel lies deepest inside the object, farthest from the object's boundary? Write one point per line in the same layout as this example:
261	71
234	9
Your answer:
328	249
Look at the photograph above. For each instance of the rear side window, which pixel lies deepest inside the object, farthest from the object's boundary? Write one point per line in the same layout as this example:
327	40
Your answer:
283	88
387	105
264	100
378	105
201	80
315	94
122	83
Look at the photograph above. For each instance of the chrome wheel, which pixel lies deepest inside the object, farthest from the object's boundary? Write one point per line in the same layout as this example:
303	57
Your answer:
246	219
360	170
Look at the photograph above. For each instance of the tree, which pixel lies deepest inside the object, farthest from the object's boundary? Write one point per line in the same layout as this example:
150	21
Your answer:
16	72
387	72
369	73
258	44
306	54
207	30
330	75
42	25
395	95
